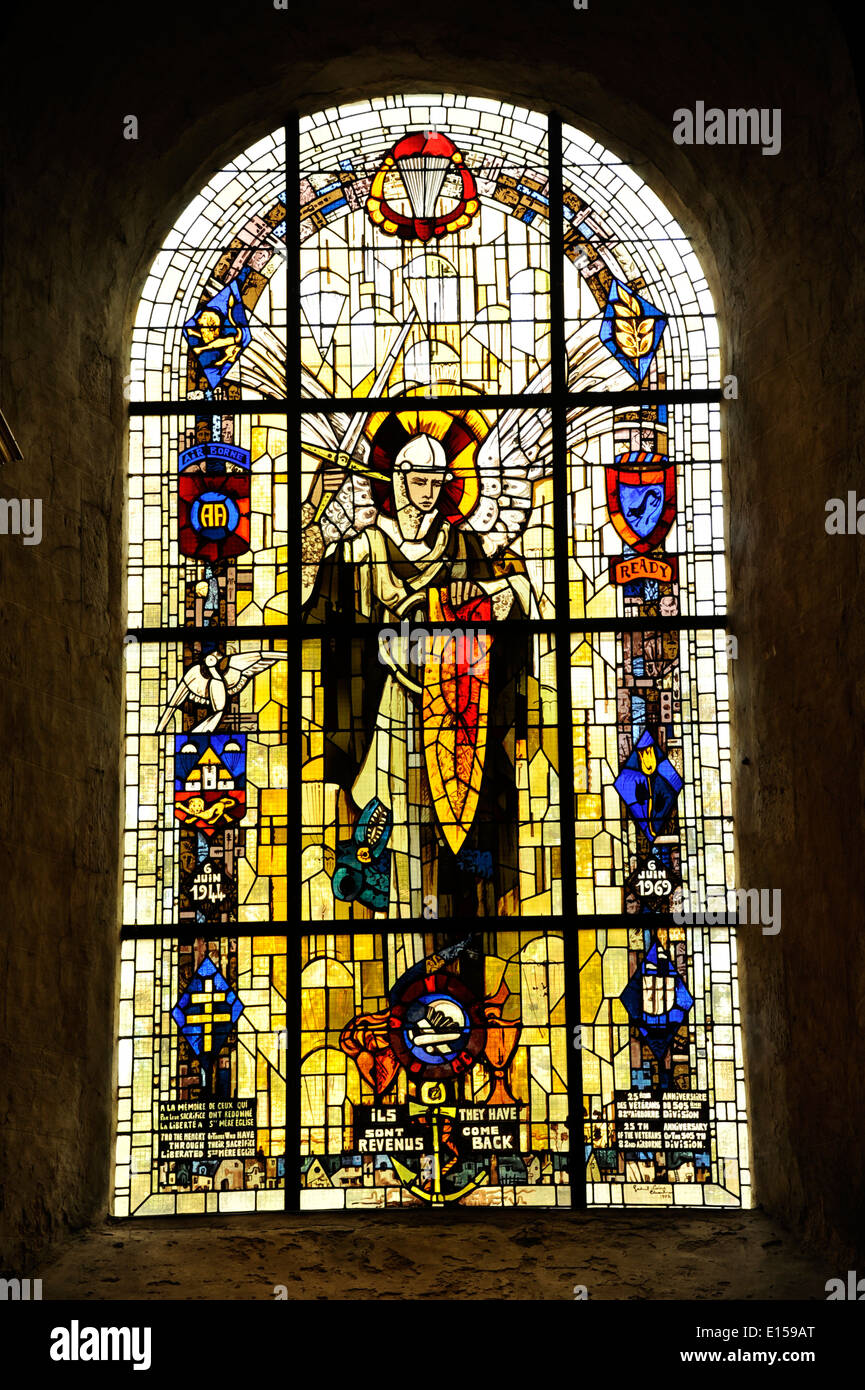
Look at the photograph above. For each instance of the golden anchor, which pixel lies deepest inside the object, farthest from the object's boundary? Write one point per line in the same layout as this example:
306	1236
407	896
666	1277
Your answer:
432	1097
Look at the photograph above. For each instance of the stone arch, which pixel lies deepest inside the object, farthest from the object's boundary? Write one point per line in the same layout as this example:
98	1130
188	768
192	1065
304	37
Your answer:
113	206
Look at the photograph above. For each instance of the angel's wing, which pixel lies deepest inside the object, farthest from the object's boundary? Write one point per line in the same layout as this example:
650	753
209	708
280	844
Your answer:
519	448
244	665
263	363
193	682
334	423
513	455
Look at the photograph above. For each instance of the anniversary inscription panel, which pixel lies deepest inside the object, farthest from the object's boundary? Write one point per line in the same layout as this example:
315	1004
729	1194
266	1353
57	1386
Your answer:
677	1120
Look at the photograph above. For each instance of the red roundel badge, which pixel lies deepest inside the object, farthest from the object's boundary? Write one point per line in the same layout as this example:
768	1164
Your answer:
423	189
213	488
436	1028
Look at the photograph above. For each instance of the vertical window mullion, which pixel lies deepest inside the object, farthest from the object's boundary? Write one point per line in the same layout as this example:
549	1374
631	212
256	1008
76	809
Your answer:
294	693
559	407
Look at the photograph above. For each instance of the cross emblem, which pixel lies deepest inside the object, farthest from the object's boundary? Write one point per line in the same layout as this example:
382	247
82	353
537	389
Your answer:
205	1014
204	1001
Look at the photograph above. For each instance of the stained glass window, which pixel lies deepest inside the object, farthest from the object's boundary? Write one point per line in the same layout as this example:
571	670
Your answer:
425	468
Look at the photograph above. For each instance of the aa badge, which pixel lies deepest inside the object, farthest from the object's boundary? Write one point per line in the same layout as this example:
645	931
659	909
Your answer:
213	501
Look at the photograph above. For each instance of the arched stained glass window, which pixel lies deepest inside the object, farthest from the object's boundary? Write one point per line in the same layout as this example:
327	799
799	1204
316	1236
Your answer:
425	467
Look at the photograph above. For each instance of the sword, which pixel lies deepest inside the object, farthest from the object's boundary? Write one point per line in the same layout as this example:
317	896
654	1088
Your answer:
342	455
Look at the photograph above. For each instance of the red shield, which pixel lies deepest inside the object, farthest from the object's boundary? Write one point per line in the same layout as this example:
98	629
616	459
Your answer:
213	501
455	707
641	498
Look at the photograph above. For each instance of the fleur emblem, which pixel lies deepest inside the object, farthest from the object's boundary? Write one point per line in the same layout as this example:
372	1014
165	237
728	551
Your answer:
633	333
631	329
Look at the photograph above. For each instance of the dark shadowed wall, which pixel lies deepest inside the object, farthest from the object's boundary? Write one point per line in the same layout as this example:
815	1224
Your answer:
781	240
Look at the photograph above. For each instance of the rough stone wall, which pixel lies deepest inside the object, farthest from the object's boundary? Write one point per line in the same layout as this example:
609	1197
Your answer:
780	238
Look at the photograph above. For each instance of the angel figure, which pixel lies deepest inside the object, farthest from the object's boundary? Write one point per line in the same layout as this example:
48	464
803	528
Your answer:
385	543
425	525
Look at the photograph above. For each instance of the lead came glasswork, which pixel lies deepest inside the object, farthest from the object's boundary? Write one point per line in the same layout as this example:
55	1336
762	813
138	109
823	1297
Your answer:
448	1080
211	321
201	1076
386	1046
206	796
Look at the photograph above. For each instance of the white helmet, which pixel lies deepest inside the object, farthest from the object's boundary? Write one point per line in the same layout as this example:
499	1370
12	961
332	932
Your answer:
422	454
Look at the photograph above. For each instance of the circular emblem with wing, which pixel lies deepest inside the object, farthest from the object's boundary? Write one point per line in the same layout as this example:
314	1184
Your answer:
436	1028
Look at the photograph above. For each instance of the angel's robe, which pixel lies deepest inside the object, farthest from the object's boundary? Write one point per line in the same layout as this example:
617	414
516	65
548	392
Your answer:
373	740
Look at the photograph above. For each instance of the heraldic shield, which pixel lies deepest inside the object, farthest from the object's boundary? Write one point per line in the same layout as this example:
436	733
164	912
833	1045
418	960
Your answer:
641	498
455	709
213	501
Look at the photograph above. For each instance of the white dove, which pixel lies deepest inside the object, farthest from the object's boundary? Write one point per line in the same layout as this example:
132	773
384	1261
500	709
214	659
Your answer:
208	685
